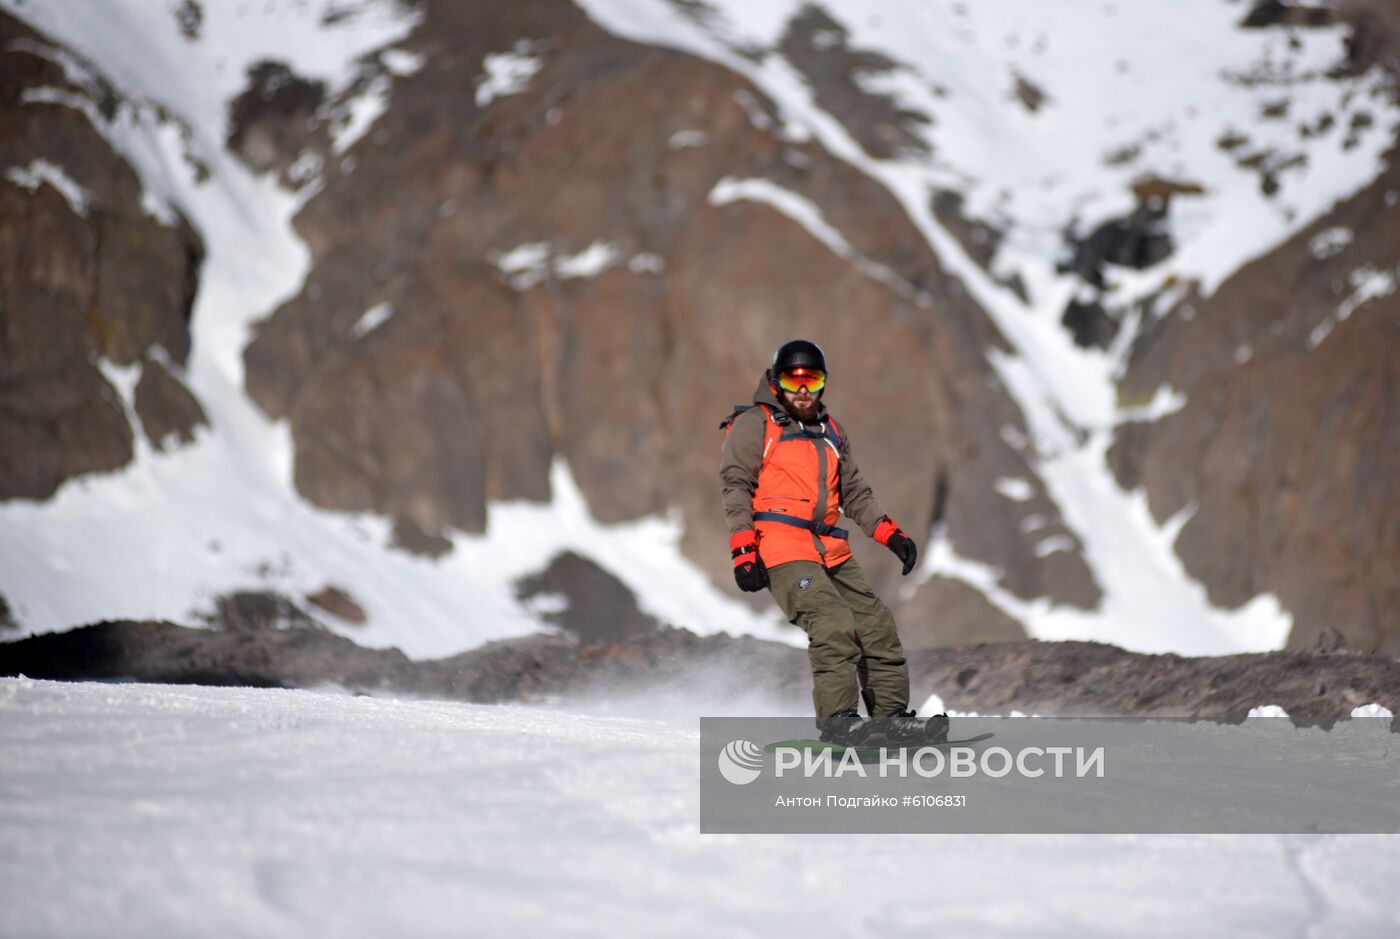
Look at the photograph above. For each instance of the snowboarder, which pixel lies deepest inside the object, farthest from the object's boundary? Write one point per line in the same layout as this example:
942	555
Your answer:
788	475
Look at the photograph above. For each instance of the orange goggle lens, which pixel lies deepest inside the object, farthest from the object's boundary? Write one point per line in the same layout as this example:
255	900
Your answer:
795	379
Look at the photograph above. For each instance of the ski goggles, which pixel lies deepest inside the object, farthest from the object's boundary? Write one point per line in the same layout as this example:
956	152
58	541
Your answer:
795	379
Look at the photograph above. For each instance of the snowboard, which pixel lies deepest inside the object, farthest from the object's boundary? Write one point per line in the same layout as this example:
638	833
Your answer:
870	751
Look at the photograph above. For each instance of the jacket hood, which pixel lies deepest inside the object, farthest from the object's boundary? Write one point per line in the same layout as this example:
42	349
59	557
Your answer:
764	394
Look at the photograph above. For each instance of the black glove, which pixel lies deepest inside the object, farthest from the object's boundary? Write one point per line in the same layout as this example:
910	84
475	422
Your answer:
903	547
749	572
751	576
891	536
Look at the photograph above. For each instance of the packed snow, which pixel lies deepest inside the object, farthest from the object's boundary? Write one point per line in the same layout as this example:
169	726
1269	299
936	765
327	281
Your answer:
148	810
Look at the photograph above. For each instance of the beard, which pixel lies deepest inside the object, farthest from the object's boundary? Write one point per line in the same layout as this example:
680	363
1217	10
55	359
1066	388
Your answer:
805	412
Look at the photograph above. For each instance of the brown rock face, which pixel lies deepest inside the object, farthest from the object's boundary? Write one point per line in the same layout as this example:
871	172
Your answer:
84	274
1289	444
166	407
274	118
338	603
409	536
393	434
250	611
1374	37
597	606
487	369
819	47
59	416
945	611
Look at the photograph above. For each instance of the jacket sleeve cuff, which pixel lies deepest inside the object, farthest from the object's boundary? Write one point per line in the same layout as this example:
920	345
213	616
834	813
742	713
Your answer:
743	546
884	530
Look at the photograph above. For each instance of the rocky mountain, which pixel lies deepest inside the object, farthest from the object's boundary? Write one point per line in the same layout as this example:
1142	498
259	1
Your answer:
89	274
437	306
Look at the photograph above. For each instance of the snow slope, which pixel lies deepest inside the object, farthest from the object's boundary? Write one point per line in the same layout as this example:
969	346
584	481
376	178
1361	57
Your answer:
149	810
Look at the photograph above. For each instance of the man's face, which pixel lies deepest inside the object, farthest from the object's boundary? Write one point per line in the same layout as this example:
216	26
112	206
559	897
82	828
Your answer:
802	403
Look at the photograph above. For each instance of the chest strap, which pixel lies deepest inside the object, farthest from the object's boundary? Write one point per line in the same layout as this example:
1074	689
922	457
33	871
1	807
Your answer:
830	531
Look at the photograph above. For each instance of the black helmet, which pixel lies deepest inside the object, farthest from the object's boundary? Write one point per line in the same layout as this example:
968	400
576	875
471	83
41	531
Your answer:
799	353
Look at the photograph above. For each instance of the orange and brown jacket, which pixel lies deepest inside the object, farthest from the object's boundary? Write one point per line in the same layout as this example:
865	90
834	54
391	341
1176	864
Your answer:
773	463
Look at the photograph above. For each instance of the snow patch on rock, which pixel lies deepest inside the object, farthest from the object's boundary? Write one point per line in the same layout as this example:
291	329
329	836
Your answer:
507	73
1053	545
533	262
359	113
687	138
1267	710
1368	283
372	319
590	262
1165	401
1330	242
1014	488
39	172
401	62
805	213
1371	710
646	263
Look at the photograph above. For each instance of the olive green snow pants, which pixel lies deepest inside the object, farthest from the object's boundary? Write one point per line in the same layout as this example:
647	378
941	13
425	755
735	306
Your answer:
851	637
